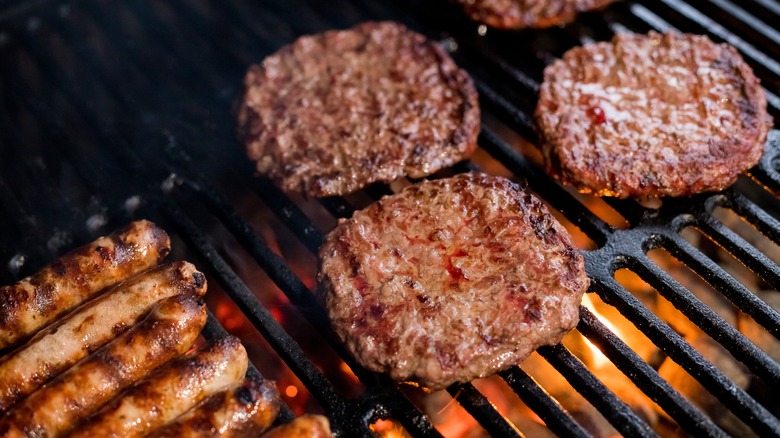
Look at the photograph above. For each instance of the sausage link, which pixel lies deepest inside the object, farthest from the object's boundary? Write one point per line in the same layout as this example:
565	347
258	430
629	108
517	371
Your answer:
246	409
90	327
305	426
34	301
170	330
169	392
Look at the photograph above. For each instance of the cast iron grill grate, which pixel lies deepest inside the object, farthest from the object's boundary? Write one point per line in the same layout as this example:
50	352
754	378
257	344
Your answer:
117	110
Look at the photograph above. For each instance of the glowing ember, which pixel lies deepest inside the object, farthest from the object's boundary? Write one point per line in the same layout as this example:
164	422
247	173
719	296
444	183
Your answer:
388	429
291	391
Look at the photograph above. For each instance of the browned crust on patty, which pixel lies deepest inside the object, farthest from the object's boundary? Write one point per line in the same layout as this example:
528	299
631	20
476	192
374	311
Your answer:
451	280
517	14
333	112
651	115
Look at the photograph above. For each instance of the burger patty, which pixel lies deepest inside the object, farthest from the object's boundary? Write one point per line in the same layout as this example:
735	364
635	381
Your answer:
651	115
333	112
450	280
516	14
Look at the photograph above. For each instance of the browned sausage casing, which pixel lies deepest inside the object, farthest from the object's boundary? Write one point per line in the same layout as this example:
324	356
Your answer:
305	426
34	301
246	409
91	326
170	330
169	392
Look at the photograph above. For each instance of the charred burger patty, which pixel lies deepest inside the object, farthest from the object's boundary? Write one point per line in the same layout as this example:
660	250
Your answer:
451	280
651	115
333	112
516	14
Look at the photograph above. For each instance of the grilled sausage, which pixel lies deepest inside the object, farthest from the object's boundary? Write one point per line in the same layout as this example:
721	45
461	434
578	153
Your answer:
34	301
170	330
305	426
169	392
90	327
244	410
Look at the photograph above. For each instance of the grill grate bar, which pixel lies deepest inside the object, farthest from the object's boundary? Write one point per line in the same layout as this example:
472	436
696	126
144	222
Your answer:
519	120
732	396
617	412
760	264
763	221
631	210
338	207
719	279
483	411
646	378
714	28
290	213
710	322
554	416
651	19
767	172
771	5
529	85
751	22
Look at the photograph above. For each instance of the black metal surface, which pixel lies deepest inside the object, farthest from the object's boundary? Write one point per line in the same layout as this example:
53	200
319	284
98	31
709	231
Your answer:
116	110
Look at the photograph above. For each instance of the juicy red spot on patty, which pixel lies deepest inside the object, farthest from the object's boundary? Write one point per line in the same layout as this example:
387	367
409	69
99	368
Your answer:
455	272
596	114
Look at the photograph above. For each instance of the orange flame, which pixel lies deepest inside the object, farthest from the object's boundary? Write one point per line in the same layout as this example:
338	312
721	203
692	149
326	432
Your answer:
598	360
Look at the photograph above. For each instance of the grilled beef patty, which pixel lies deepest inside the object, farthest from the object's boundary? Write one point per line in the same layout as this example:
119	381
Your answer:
451	280
336	111
516	14
651	115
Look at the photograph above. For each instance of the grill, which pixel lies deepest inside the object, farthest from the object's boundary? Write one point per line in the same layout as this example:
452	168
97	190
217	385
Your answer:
118	110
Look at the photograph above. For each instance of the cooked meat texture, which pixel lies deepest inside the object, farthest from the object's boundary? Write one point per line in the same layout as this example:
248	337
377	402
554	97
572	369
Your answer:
169	391
451	280
305	426
517	14
333	112
170	330
91	326
75	277
651	115
244	410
